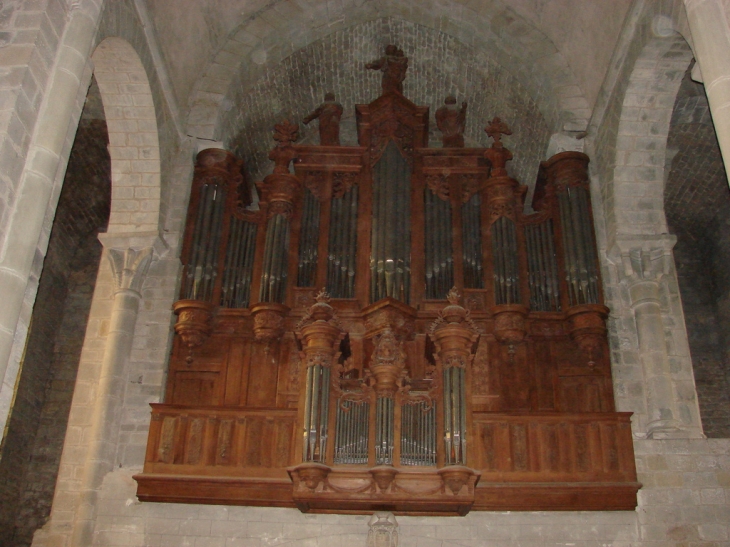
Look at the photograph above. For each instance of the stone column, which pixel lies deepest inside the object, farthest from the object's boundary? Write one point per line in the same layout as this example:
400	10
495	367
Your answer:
647	267
710	27
130	258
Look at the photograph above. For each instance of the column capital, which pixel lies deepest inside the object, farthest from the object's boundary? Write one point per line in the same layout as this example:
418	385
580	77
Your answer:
643	258
130	256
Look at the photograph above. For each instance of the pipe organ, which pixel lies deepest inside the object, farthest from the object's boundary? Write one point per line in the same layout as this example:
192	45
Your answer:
388	330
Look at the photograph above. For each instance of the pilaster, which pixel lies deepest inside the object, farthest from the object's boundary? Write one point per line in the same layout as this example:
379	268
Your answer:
647	271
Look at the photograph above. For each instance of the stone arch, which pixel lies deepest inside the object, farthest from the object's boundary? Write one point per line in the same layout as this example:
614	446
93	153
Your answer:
262	41
133	141
637	204
652	366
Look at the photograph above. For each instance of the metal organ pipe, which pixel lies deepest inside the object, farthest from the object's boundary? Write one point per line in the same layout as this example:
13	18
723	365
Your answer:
342	246
202	267
309	239
439	247
390	260
276	250
472	243
504	251
235	292
542	267
580	255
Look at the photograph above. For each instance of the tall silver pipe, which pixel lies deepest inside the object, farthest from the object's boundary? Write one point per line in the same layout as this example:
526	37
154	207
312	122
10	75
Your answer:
550	246
266	266
569	248
448	408
590	251
307	415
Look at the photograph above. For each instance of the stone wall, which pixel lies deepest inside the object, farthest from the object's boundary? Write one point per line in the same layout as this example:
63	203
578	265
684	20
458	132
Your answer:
31	450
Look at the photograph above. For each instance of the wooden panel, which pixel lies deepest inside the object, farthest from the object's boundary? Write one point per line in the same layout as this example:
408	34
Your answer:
262	375
195	439
196	388
554	447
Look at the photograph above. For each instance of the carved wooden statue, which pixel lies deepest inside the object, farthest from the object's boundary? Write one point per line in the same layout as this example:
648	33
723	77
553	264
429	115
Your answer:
329	114
393	65
451	122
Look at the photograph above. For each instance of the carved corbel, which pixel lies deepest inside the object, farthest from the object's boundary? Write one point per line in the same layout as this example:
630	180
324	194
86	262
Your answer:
194	323
510	325
268	321
309	476
588	329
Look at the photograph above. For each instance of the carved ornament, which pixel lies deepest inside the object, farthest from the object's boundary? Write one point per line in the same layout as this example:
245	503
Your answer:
588	329
268	321
439	185
194	322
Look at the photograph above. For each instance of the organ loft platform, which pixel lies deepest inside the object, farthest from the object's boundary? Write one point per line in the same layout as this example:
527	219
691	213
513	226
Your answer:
386	329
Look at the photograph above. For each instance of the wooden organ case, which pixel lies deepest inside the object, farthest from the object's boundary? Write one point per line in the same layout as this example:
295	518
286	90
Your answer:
456	359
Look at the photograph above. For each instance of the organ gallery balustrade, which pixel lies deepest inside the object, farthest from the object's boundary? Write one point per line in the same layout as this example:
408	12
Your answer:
389	330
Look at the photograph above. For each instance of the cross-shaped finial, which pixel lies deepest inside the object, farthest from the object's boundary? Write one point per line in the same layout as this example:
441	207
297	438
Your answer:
496	129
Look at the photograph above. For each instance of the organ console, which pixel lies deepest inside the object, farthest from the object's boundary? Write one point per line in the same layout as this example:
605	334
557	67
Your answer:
387	330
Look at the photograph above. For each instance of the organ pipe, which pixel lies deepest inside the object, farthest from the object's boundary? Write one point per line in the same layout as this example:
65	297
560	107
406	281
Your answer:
342	245
506	267
390	259
238	270
276	252
472	243
308	240
438	249
542	267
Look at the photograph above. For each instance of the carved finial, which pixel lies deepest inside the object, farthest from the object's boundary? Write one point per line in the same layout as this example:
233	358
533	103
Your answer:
496	129
286	132
319	311
453	296
323	296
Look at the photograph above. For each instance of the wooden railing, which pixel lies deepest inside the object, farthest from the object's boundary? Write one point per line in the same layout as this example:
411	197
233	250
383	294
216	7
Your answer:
197	440
553	447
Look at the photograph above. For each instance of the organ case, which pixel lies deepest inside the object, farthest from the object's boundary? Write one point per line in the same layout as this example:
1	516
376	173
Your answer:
388	330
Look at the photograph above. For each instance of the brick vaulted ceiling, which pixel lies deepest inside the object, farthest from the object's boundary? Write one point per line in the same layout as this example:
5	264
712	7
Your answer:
256	61
696	190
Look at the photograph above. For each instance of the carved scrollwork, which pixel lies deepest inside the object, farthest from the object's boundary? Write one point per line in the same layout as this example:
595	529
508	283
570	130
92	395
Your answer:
391	124
314	181
500	209
342	181
469	185
439	185
283	208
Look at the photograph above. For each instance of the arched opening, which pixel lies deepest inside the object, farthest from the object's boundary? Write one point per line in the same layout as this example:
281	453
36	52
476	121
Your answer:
696	200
